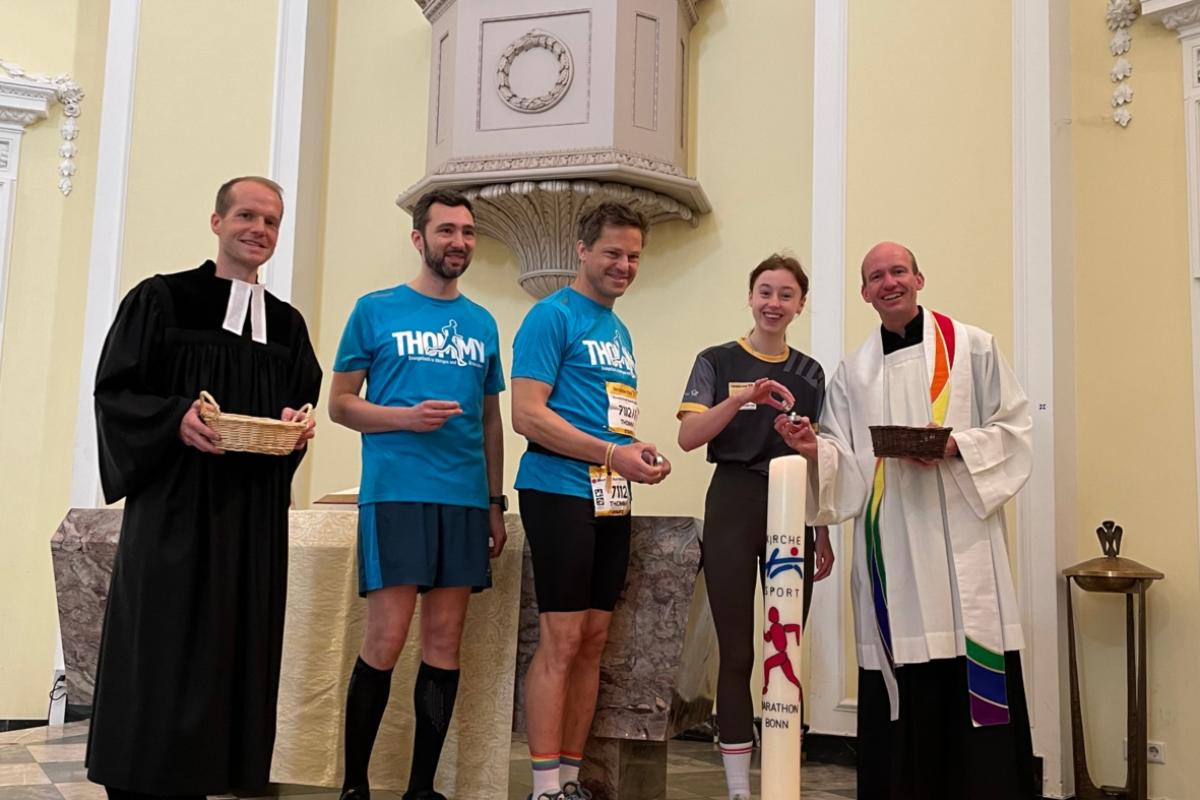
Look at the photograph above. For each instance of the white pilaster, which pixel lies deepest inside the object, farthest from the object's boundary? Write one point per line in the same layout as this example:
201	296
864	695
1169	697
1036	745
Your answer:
830	708
1042	316
297	146
108	231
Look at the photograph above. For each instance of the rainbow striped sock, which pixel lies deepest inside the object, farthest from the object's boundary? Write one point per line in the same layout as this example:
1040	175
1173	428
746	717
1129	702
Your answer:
545	773
569	764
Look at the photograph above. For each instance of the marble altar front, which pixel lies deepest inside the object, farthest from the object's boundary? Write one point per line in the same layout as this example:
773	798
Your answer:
657	674
322	634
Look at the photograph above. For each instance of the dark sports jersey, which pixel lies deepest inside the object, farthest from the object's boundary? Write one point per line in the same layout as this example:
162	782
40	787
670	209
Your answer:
750	438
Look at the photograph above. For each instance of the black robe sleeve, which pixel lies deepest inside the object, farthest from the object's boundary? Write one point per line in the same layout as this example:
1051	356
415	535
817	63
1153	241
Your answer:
306	375
137	421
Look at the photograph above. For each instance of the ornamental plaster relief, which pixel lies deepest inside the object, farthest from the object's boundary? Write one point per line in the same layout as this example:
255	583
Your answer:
25	99
1119	15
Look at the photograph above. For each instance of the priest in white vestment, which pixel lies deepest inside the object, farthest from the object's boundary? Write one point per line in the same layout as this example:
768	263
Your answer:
941	709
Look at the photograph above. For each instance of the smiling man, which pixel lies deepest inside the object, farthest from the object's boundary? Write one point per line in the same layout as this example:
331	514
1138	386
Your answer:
941	706
193	632
430	502
575	400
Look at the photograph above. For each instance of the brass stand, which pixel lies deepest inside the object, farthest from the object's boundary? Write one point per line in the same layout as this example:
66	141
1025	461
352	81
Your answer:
1113	574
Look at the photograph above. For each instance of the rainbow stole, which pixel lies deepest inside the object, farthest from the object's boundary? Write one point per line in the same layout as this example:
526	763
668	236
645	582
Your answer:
986	683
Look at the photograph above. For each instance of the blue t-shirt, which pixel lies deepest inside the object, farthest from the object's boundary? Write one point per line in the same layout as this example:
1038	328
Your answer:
584	351
418	348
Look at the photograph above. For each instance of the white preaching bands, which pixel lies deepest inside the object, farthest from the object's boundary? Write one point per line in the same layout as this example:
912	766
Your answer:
247	298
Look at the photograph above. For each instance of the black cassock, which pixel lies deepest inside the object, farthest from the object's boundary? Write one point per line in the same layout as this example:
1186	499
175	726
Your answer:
189	661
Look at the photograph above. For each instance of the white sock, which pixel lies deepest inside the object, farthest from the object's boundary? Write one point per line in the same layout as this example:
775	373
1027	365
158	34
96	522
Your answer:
545	774
737	767
568	768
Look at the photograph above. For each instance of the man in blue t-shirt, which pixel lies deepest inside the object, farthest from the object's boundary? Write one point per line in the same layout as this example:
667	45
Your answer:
430	502
575	400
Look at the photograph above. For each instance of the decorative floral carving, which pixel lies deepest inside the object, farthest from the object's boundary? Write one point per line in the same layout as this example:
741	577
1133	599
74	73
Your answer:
535	39
22	118
1119	15
556	160
537	219
4	154
70	95
1121	42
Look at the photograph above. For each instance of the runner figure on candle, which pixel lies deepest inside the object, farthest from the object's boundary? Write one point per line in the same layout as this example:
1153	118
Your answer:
735	391
776	634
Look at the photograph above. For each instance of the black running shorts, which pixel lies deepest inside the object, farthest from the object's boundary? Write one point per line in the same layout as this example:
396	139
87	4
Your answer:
579	559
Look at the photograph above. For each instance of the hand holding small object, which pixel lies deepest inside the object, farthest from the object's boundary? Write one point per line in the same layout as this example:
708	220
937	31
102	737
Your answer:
765	391
798	434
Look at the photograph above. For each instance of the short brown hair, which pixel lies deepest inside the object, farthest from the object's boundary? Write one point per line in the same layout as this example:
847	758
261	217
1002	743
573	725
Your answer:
445	197
223	200
779	261
618	215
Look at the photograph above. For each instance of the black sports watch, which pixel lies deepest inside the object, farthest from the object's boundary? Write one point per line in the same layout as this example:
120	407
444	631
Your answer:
499	500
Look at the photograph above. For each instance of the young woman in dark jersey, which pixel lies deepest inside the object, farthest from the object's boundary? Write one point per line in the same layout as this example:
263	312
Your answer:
733	396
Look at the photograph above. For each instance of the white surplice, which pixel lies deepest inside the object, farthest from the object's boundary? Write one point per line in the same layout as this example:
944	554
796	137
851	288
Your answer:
942	528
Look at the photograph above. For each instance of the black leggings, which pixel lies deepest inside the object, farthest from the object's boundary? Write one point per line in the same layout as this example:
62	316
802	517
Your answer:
735	535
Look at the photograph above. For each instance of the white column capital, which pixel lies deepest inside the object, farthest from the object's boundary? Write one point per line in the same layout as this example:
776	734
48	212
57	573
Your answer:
22	102
1177	15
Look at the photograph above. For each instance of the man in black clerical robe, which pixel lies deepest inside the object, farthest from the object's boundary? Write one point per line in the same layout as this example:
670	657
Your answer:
189	660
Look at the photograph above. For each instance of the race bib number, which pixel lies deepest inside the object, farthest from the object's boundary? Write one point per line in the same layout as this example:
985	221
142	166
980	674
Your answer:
734	388
610	493
622	408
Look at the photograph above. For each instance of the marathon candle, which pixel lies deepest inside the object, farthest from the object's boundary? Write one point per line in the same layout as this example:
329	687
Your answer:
783	607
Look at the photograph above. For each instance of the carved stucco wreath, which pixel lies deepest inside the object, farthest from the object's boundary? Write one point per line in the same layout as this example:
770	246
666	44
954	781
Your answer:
566	71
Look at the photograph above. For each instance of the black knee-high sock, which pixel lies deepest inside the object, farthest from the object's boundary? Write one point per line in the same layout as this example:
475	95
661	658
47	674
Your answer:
365	702
433	702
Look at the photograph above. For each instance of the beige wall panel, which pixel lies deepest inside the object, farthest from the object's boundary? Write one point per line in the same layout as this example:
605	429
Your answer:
929	154
202	114
751	115
43	331
1136	456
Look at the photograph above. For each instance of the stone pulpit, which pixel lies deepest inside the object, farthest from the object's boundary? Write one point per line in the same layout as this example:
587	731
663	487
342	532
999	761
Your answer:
540	108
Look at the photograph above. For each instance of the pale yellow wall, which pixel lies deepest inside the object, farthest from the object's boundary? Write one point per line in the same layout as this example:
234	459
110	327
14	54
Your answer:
929	154
39	367
1136	456
690	291
201	115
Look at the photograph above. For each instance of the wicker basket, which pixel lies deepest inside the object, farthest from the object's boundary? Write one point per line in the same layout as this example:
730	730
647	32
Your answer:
901	441
245	434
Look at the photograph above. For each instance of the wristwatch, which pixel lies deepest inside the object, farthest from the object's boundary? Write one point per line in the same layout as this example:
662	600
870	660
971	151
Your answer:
499	500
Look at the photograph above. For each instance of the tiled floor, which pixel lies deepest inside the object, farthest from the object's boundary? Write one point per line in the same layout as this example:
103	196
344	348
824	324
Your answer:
47	764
